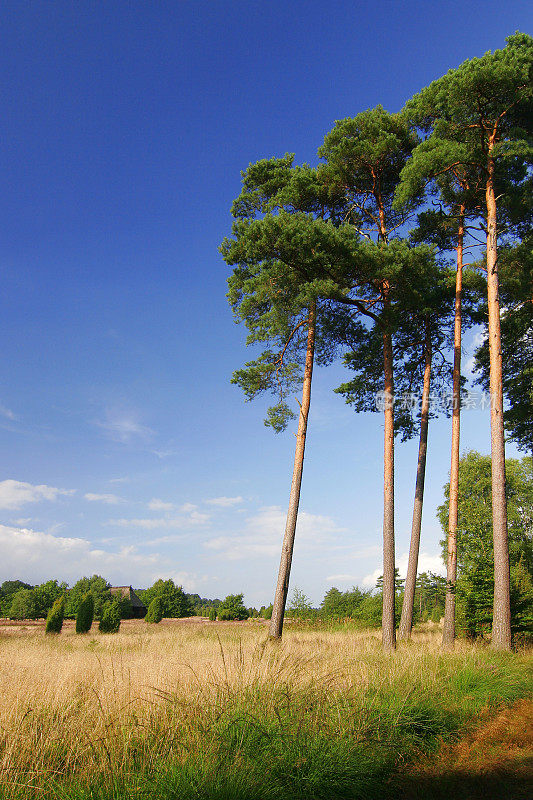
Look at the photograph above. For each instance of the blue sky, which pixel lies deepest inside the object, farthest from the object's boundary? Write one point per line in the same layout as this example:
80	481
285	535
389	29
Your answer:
125	126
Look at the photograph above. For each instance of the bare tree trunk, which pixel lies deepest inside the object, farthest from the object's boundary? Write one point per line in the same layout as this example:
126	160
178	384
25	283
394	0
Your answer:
501	620
389	589
448	633
406	621
282	588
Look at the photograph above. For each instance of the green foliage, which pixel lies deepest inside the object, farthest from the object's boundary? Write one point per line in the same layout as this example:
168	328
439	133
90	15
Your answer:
475	561
85	615
126	608
7	592
232	607
54	620
23	605
175	603
97	586
212	614
155	610
110	619
516	291
300	606
267	614
338	605
46	594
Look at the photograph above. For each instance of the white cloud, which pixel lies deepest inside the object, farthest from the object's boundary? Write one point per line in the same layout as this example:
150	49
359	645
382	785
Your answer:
36	556
125	426
342	578
194	518
426	563
225	502
369	581
110	499
187	507
6	412
165	453
263	533
158	505
469	363
14	494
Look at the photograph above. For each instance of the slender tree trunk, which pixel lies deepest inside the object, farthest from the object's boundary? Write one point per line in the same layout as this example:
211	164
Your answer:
501	620
282	588
389	589
406	621
448	633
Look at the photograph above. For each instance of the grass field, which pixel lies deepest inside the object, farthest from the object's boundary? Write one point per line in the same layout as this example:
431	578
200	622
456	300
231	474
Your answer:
213	711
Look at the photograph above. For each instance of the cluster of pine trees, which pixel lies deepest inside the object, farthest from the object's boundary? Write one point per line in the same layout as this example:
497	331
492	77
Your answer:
353	257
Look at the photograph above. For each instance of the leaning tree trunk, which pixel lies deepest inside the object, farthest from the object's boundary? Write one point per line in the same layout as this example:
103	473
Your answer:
280	599
406	621
448	633
501	620
389	588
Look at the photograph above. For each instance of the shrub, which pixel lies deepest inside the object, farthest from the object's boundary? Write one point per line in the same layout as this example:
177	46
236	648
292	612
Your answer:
110	620
54	620
85	615
126	608
23	605
99	589
175	602
232	608
268	612
212	614
155	611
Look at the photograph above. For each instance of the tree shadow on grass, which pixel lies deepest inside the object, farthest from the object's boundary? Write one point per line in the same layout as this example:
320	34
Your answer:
512	781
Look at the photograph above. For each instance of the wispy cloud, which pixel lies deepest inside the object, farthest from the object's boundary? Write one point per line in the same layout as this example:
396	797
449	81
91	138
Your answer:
7	413
195	518
159	505
263	533
110	499
125	427
161	454
15	494
225	502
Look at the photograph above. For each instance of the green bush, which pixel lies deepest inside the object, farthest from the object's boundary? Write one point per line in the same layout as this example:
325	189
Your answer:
155	611
54	620
23	605
268	612
110	620
85	615
232	608
212	614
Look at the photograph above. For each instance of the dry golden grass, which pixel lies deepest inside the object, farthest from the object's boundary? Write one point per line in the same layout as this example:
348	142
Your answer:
98	707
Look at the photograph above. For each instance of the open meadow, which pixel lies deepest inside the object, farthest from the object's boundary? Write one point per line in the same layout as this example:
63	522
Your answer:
198	710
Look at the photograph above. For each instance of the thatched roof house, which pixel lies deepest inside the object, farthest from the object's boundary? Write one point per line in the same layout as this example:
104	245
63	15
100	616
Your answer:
138	607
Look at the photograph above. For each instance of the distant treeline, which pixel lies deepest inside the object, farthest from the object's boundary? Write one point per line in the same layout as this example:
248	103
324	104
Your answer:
20	600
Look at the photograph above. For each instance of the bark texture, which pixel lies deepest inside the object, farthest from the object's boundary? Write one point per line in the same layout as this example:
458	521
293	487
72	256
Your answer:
501	621
406	621
389	594
448	633
282	588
